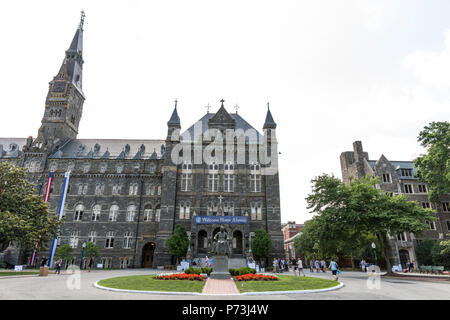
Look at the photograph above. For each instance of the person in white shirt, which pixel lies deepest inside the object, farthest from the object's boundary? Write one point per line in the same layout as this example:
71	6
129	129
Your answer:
300	267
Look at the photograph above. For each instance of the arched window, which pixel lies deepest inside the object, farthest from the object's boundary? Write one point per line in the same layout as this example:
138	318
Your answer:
96	212
113	212
133	189
116	188
79	209
131	212
185	210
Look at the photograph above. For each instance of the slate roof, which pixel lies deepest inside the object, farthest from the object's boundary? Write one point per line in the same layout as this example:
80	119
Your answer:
203	124
110	149
399	165
269	123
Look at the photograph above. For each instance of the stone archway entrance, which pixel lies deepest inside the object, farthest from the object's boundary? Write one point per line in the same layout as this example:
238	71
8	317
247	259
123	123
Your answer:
147	255
404	257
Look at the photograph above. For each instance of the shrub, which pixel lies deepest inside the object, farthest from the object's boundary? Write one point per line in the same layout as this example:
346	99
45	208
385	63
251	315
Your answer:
179	276
256	277
206	270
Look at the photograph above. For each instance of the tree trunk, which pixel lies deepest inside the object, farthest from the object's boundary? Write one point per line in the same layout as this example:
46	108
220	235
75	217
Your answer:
384	244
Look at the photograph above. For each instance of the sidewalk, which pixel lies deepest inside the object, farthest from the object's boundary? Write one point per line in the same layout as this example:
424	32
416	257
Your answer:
220	286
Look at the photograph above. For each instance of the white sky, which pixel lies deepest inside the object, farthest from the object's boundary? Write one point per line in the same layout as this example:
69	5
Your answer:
333	72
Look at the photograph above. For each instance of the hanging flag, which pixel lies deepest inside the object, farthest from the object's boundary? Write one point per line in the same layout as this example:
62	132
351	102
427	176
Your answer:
46	197
60	214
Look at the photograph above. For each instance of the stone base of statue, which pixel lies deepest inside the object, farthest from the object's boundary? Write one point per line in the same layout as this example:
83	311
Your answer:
220	268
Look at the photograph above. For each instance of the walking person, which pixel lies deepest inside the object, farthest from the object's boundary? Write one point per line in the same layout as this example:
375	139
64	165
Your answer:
323	265
317	265
334	269
363	265
411	266
311	266
207	262
275	265
300	267
294	266
58	266
91	262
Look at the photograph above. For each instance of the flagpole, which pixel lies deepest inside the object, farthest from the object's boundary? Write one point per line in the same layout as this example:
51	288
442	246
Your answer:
60	213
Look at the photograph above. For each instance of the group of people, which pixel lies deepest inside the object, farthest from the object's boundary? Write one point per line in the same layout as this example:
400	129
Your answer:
280	265
317	265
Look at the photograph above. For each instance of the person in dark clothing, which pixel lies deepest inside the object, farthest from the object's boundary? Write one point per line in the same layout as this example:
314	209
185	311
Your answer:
44	261
58	266
91	263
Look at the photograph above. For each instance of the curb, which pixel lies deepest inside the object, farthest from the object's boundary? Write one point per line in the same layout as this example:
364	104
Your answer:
341	284
143	291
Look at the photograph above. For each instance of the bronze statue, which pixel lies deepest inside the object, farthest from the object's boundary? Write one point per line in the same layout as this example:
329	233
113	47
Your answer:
221	245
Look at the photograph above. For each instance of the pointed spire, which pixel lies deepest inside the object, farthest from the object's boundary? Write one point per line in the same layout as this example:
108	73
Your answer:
174	119
269	123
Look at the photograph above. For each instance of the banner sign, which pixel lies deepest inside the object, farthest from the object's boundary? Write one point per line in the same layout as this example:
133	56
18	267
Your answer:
220	220
60	214
46	197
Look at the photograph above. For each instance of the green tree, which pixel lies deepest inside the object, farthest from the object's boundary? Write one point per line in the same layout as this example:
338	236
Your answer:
178	242
433	168
441	254
91	250
424	252
362	208
261	244
64	252
24	216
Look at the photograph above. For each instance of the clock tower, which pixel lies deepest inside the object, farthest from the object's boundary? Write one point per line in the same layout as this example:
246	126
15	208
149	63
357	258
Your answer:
65	98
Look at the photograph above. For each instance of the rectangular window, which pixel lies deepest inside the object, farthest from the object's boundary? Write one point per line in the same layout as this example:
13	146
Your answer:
422	188
229	183
431	224
186	181
406	172
386	178
408	188
212	182
109	242
446	206
448	225
401	236
426	205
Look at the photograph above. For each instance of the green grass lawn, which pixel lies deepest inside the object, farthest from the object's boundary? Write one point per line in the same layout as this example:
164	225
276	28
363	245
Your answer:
18	273
286	283
149	284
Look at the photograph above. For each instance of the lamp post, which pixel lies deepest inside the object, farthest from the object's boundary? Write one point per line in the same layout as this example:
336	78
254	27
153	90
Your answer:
81	255
374	251
188	256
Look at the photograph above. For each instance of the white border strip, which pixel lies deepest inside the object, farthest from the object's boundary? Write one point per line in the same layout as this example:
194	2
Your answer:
341	284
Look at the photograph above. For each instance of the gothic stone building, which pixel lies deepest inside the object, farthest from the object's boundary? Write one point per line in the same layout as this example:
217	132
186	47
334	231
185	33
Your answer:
398	177
128	195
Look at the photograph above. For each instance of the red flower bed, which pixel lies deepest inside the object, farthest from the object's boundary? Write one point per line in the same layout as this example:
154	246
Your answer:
180	276
255	277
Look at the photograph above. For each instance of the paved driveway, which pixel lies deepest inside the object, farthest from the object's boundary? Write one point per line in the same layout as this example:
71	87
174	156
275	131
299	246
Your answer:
65	287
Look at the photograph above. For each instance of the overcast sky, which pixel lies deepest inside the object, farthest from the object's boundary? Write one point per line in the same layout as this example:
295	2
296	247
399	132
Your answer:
333	72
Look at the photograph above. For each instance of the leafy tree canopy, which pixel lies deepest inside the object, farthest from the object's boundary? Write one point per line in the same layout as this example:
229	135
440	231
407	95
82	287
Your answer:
178	242
24	217
261	244
433	168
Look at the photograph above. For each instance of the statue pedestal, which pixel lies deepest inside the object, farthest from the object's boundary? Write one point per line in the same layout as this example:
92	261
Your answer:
220	268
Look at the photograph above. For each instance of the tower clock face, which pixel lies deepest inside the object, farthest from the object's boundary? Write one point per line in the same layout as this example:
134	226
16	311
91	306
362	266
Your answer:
59	86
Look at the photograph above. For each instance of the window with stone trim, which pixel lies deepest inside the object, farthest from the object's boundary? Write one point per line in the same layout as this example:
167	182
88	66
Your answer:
116	188
255	178
127	240
109	240
113	212
158	189
96	212
74	238
186	176
158	213
431	225
99	189
422	188
106	263
79	209
408	188
228	177
446	206
213	177
92	236
185	210
228	208
386	178
133	189
148	213
131	212
426	205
